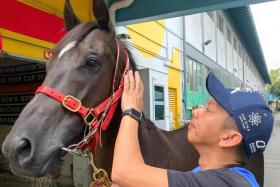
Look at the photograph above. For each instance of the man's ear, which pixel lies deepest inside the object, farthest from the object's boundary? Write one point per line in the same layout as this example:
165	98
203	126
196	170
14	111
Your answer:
230	138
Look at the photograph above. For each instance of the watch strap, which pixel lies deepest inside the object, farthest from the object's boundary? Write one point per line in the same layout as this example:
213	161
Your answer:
135	114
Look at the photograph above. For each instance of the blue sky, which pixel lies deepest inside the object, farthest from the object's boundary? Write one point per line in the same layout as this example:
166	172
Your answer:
267	21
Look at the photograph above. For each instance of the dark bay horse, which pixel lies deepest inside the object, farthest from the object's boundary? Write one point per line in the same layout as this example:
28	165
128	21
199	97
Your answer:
83	65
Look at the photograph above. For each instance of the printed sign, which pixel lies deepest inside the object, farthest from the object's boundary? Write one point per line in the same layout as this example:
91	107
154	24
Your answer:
17	87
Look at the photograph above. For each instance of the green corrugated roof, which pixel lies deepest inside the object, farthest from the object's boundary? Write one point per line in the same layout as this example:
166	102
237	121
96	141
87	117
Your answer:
244	23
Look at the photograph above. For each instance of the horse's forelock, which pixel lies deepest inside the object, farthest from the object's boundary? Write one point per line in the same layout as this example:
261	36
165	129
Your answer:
76	34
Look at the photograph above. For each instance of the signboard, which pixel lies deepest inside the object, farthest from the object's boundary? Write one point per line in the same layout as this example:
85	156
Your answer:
17	87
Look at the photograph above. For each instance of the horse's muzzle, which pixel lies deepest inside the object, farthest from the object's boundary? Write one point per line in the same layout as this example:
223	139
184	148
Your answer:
17	150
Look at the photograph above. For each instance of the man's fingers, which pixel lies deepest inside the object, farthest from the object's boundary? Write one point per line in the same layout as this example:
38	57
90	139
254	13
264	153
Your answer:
137	81
126	83
131	80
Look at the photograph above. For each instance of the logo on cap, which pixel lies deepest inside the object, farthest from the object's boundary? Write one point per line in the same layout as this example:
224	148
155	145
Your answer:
255	119
259	144
244	122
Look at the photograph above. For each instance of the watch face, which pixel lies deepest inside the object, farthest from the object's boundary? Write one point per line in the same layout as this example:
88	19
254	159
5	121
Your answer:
136	113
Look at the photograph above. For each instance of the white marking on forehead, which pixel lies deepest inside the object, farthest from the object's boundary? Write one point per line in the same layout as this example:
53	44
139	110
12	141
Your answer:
69	46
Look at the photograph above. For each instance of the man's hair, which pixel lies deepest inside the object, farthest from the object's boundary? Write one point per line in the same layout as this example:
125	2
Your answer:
230	124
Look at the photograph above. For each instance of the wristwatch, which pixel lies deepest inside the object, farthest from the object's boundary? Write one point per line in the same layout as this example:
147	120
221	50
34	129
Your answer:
133	113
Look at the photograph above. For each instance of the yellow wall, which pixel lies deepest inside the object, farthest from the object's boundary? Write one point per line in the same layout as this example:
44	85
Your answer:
174	81
82	8
148	37
22	45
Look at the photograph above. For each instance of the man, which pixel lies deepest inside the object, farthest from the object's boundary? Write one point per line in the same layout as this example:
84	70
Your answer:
233	125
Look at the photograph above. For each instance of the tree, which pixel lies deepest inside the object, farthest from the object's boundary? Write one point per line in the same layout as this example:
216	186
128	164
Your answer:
274	88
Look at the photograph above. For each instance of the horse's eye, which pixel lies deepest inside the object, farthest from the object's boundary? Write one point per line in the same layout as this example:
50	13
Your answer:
92	63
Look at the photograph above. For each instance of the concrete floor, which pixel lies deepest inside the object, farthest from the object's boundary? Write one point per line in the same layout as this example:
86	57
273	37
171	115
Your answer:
272	156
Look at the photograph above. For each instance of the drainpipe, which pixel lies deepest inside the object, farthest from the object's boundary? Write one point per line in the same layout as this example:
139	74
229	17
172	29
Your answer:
184	67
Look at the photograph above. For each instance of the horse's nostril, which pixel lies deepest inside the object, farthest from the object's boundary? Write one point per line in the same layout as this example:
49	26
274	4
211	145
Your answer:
24	150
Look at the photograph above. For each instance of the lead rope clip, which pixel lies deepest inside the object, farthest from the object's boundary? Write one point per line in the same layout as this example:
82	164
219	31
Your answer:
99	176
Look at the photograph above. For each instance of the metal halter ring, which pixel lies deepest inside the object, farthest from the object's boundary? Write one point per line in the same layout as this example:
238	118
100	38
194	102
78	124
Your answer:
75	99
89	118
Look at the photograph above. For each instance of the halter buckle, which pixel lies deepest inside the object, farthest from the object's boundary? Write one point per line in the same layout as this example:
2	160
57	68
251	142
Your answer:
68	107
89	118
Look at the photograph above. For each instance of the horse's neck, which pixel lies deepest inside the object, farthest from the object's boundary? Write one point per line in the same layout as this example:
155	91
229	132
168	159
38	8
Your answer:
166	149
104	155
159	148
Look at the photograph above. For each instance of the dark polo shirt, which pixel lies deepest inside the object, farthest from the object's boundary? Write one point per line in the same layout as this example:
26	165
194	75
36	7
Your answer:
224	177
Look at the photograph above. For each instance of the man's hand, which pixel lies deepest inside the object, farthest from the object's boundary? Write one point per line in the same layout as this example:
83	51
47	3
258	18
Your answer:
133	92
129	168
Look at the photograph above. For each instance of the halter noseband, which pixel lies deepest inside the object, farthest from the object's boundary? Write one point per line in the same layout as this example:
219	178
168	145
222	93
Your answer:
97	118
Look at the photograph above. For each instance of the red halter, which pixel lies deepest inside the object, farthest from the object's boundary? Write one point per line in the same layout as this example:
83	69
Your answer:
97	118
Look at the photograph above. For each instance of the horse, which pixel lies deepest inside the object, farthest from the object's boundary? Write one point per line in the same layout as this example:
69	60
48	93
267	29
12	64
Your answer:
88	65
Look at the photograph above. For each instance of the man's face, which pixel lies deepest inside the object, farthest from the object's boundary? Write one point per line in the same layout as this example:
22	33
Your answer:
207	124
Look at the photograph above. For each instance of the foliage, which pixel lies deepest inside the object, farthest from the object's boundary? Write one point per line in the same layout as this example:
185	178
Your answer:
274	88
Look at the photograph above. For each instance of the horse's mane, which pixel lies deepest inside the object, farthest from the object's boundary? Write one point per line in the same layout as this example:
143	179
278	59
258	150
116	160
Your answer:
132	61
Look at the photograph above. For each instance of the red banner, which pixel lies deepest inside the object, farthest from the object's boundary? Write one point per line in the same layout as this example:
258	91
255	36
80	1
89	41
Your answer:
24	19
0	42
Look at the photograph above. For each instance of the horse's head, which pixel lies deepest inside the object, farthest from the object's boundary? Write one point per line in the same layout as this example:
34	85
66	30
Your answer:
83	65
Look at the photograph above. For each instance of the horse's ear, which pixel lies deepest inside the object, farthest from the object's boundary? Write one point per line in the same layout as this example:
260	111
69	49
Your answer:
101	13
70	19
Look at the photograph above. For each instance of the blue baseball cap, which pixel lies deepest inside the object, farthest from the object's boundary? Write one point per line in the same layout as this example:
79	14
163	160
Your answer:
251	113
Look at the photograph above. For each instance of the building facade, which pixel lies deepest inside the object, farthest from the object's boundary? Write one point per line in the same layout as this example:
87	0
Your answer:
178	53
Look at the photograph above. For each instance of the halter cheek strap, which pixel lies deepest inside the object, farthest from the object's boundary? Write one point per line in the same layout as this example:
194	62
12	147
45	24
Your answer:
98	117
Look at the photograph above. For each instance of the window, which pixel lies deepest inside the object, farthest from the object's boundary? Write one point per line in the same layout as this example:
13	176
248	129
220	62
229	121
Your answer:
221	23
190	70
194	76
159	102
211	15
199	75
187	72
229	37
